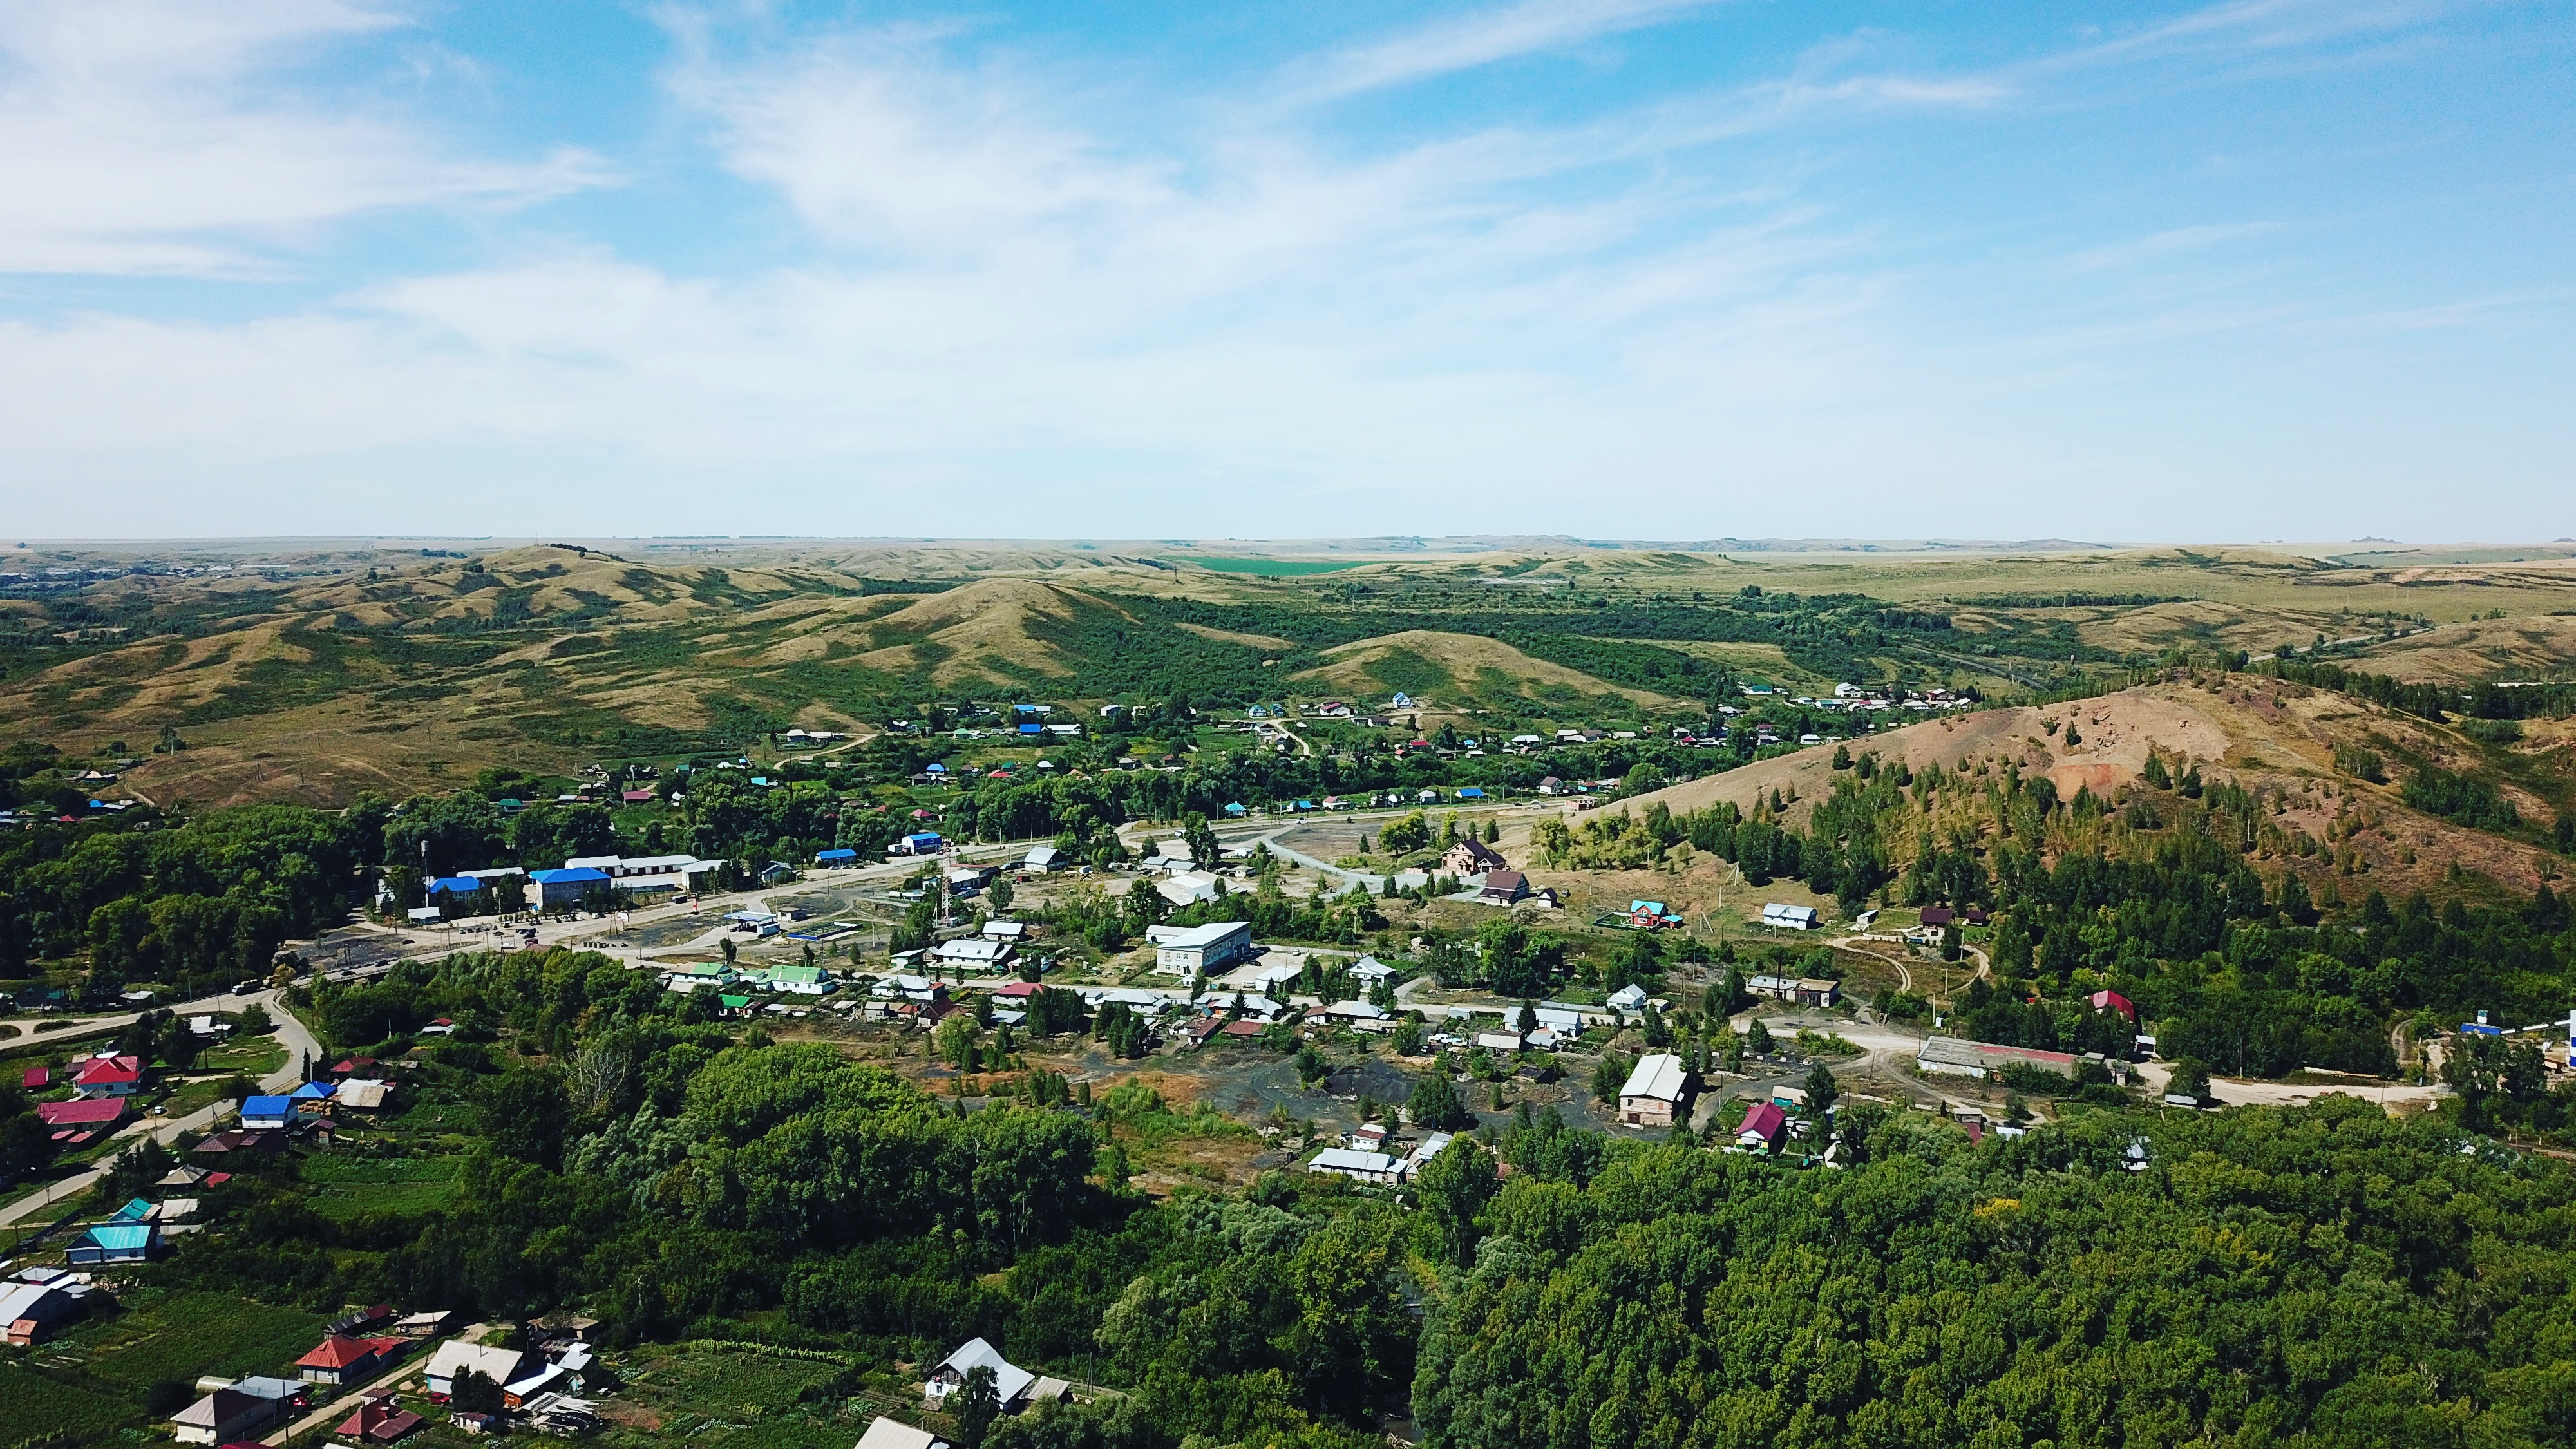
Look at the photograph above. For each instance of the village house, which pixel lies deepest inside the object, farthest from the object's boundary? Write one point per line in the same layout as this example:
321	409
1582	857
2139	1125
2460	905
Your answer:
108	1076
40	1298
222	1417
1656	1093
1503	888
457	1358
1652	916
885	1433
1788	917
1358	1164
1471	857
1761	1130
1802	990
973	953
340	1359
1010	1381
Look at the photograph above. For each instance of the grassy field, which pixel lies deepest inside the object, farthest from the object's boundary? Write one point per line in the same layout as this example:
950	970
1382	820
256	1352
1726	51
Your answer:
184	1335
35	1409
1276	568
343	1186
740	1400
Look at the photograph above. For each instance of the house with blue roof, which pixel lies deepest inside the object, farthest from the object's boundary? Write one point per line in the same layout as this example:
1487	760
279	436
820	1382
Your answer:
838	856
563	887
453	885
136	1210
259	1113
1472	792
310	1092
115	1243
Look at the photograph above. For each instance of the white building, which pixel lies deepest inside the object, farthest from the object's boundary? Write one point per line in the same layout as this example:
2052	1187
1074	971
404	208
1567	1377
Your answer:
1199	950
1655	1091
1009	1379
1358	1165
1795	918
975	953
648	872
455	1358
1189	887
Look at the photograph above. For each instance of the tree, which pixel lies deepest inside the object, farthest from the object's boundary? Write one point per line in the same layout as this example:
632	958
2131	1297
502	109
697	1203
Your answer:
1608	1075
1435	1103
1758	1040
1406	835
1452	1190
1527	1022
979	1402
999	895
1493	831
2190	1079
524	1111
1201	839
1822	1093
474	1392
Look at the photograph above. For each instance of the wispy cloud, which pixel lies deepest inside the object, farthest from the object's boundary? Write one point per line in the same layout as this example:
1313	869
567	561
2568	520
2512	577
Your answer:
146	138
978	271
1481	38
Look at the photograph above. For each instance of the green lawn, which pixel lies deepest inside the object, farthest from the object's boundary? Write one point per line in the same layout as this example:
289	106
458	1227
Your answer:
344	1186
253	1057
185	1335
37	1410
739	1400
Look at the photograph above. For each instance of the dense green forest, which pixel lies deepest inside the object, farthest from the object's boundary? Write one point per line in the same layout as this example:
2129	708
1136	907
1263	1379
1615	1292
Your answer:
2323	1276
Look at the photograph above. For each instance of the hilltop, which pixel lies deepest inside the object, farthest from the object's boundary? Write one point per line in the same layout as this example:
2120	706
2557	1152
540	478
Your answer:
2301	752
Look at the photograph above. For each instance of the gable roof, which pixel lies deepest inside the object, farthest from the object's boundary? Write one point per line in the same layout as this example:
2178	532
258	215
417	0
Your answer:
1009	1381
577	875
338	1351
887	1433
1763	1120
456	1356
90	1113
108	1071
1659	1076
120	1237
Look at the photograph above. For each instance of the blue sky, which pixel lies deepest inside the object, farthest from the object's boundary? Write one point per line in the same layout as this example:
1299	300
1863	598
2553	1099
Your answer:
2297	269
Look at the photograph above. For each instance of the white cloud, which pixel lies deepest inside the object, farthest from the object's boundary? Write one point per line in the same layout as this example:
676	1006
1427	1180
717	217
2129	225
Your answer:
1005	314
1480	38
156	138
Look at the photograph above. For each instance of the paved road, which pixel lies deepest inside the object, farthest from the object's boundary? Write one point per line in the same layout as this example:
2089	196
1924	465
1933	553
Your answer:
291	1034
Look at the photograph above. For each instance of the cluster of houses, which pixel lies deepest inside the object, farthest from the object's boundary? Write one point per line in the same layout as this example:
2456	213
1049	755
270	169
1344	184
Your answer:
539	1385
1365	1156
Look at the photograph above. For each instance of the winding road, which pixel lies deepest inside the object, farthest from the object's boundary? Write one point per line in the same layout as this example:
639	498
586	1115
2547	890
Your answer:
292	1034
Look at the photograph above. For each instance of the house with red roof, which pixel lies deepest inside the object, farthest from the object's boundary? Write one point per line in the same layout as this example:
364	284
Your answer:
93	1114
36	1079
2114	1001
1763	1124
341	1359
107	1076
381	1420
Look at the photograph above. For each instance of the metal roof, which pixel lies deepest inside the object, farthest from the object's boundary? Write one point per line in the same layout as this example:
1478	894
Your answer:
1659	1076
